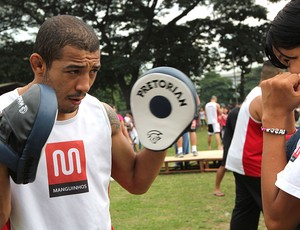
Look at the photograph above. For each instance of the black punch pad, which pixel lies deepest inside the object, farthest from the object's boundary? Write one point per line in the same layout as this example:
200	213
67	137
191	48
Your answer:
25	126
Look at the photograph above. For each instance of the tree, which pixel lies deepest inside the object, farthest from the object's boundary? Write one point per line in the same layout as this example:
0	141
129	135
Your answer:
14	65
242	43
134	38
214	84
253	79
129	31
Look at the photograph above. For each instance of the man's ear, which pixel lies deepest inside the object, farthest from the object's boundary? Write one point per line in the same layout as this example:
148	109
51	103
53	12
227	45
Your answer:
38	65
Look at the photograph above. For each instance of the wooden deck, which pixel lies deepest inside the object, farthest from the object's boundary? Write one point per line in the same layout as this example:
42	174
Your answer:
200	163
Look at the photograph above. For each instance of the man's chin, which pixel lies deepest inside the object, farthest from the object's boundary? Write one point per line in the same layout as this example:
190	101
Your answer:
68	111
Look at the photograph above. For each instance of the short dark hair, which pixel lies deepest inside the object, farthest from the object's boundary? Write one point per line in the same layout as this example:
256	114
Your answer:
59	31
284	31
268	71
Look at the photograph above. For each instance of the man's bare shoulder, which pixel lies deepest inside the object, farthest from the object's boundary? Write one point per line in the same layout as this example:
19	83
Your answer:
113	118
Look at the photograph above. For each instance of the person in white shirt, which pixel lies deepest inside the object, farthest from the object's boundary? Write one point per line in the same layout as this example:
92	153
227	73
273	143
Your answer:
212	113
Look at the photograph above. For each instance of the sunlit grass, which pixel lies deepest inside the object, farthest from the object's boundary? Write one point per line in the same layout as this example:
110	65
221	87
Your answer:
177	201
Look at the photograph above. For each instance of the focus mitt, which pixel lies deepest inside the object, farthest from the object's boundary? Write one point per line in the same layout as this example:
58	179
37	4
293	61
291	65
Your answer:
163	103
25	126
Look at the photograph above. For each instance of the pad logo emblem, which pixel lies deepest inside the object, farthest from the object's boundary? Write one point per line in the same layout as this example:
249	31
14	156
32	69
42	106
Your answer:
22	107
66	166
154	136
295	154
164	85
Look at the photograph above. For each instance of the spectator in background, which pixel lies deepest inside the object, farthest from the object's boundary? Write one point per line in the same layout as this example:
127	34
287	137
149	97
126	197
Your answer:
212	113
202	117
244	157
129	123
193	131
192	135
223	120
182	147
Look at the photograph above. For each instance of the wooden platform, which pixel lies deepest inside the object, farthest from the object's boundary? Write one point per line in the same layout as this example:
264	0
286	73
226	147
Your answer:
200	163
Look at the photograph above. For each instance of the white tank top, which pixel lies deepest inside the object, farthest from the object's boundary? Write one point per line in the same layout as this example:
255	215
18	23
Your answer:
72	182
211	112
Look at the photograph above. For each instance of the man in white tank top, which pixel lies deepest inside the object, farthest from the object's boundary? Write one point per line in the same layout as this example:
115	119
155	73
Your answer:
212	112
86	146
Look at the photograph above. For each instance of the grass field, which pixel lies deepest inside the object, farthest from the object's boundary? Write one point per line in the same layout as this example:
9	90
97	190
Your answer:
178	201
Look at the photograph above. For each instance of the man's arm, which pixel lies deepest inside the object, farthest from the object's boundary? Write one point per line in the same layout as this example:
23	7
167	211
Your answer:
256	112
280	95
134	172
5	200
255	108
125	132
219	111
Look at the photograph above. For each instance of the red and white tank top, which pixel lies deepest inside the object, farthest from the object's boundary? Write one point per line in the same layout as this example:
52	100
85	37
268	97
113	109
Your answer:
245	152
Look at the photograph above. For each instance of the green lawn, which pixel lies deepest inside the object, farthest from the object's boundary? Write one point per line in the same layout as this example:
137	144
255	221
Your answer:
177	201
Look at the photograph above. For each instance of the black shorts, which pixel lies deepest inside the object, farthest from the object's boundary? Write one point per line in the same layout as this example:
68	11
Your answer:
213	128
